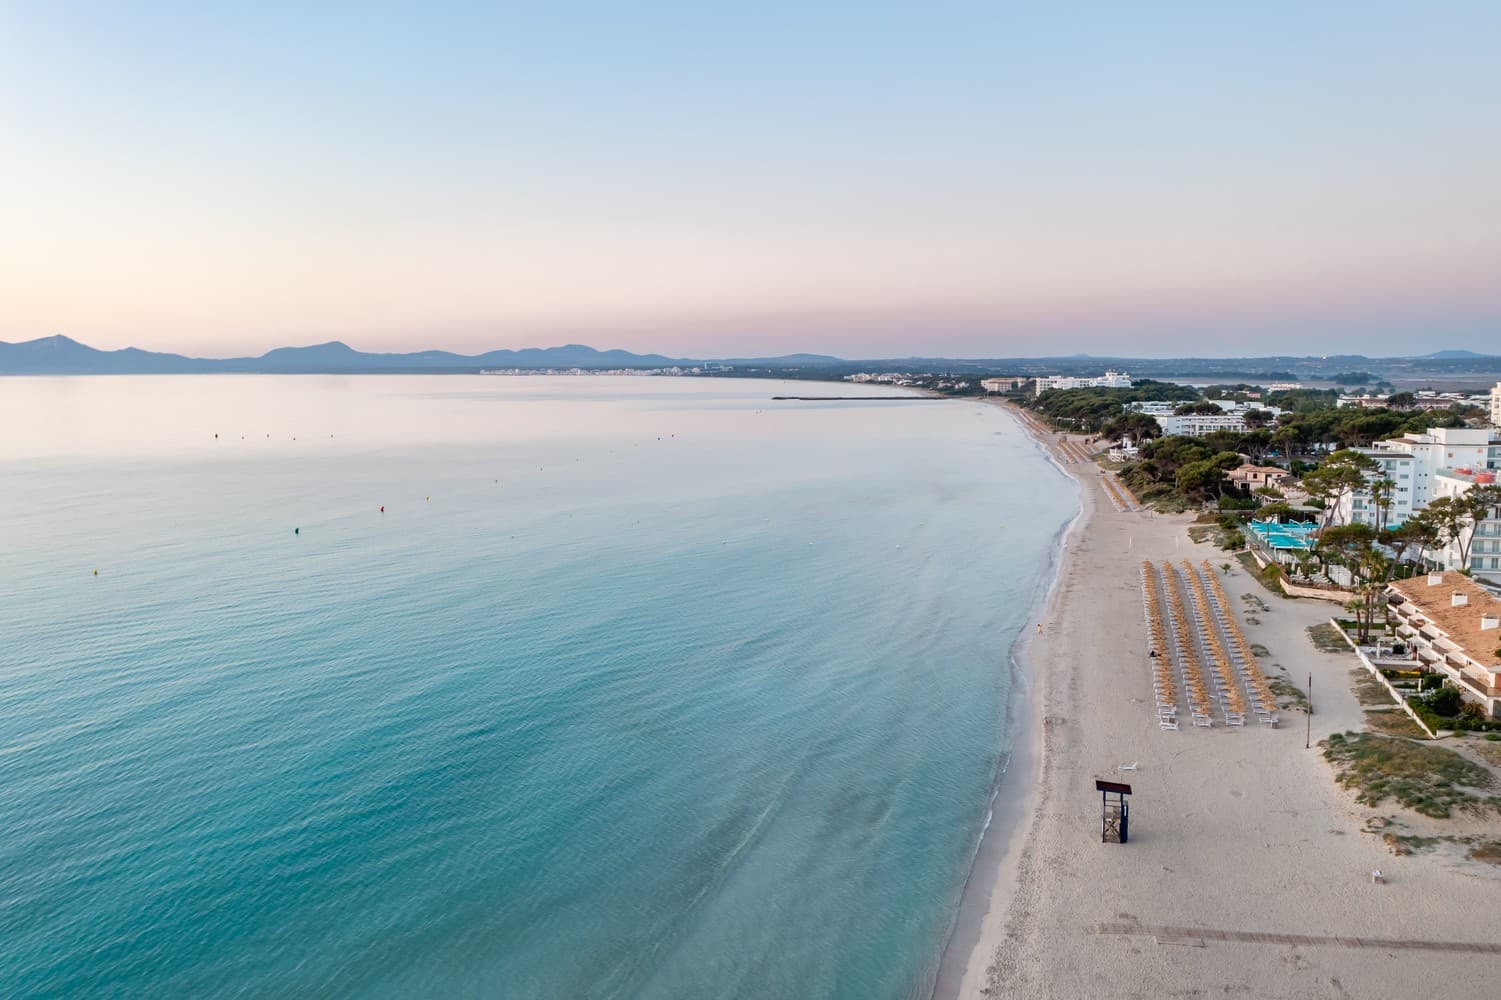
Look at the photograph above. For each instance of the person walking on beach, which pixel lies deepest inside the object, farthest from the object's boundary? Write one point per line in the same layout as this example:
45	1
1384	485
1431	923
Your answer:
1039	628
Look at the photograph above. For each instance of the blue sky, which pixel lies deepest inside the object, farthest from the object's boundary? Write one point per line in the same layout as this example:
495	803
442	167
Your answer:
860	179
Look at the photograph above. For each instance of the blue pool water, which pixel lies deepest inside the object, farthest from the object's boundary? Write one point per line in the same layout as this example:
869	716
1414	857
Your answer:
637	688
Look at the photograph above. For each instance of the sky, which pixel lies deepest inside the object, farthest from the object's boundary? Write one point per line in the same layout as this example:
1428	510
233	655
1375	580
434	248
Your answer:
724	179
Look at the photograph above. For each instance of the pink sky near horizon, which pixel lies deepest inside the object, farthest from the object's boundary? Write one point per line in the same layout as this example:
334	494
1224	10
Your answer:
992	183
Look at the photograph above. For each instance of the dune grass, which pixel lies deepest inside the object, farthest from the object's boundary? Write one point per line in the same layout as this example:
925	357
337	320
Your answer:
1426	779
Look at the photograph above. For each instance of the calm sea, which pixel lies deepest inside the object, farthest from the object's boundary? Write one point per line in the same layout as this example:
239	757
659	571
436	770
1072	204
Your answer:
638	687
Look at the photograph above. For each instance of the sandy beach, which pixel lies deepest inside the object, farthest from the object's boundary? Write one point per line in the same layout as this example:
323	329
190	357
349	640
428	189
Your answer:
1248	870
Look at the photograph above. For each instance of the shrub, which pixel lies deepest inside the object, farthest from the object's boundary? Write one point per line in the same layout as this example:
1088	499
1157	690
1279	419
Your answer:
1446	702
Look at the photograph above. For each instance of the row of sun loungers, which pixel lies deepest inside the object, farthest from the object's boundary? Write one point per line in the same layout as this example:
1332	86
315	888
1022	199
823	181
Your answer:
1177	662
1201	650
1263	701
1073	451
1117	492
1226	683
1200	707
1112	494
1163	685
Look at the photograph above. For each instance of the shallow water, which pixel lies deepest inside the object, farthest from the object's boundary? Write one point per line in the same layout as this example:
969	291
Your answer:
638	687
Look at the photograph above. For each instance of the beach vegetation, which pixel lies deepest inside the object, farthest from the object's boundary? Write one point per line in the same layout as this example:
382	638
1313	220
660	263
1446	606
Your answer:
1327	639
1392	722
1488	851
1430	780
1269	576
1289	695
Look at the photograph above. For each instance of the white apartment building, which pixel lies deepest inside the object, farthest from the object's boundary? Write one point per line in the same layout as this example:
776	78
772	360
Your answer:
1485	537
1393	465
1441	448
1199	424
1005	383
1496	405
1109	380
1443	461
1154	407
1161	409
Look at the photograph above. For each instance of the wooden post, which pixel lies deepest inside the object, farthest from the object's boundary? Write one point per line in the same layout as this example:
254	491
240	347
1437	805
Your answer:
1308	732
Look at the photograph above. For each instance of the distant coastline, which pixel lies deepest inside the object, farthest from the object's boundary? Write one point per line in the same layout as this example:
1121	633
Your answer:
60	355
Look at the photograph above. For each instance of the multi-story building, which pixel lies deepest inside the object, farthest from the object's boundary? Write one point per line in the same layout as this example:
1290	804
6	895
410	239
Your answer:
1454	627
1199	424
1230	418
1496	405
1479	550
1005	383
1444	461
1361	508
1441	448
1109	380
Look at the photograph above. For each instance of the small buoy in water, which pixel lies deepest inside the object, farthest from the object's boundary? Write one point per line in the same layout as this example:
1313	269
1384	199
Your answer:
428	499
216	437
296	531
383	509
96	572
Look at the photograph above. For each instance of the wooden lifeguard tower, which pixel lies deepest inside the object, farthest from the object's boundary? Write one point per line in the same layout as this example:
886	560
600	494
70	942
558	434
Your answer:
1115	817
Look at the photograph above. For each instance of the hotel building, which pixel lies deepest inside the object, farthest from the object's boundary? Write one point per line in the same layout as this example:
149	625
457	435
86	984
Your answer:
1109	380
1454	627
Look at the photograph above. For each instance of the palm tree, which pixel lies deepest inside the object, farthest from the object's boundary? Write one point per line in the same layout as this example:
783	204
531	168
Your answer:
1382	491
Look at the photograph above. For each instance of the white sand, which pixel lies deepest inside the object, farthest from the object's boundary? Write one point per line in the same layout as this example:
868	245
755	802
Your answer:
1234	830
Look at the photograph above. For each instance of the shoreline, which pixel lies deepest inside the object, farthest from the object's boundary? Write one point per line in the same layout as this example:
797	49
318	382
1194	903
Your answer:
979	921
1249	868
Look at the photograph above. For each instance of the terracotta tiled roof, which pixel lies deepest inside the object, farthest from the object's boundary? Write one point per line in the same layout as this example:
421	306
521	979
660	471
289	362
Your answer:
1462	623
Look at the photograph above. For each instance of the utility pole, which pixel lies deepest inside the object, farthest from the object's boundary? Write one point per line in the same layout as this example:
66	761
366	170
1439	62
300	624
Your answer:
1308	732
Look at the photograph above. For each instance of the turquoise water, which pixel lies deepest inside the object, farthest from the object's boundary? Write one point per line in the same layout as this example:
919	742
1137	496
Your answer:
637	688
1292	535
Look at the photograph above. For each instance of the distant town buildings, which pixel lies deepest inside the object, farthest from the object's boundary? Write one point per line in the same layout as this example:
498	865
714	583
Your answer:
1109	380
1425	399
1004	383
916	380
674	370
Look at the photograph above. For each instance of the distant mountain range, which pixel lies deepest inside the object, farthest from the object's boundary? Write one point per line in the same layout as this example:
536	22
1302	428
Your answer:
60	355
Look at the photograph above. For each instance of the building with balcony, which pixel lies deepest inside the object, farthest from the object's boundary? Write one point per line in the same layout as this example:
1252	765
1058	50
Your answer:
1442	461
1454	627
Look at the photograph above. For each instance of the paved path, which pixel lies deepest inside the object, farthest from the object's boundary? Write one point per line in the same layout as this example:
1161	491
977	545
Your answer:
1199	935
